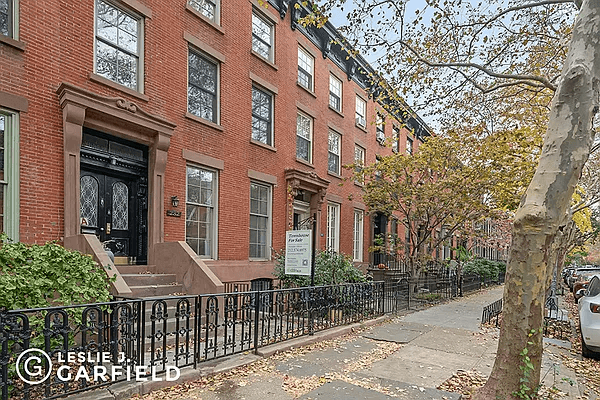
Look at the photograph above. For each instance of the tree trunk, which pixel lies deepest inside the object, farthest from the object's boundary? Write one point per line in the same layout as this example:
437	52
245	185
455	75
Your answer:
566	148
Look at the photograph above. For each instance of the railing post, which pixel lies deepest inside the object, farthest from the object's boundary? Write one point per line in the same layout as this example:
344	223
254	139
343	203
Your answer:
256	320
4	358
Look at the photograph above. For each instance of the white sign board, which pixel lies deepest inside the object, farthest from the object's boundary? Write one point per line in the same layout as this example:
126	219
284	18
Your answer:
298	252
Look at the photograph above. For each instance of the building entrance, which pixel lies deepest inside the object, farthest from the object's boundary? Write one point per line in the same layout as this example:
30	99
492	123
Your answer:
114	195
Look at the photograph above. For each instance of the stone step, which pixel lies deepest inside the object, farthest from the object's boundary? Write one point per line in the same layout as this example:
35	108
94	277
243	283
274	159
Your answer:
149	279
155	290
136	269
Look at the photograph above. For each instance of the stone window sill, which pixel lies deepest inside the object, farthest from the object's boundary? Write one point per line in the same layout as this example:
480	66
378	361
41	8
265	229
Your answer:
199	15
301	161
268	62
107	82
17	44
263	145
204	121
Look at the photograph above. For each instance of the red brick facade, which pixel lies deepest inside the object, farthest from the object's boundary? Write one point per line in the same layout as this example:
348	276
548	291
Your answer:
55	45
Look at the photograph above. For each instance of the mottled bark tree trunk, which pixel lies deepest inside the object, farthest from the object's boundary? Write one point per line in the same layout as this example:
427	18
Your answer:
566	148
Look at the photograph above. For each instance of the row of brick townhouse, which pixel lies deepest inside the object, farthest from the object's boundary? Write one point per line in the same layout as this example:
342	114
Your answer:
186	136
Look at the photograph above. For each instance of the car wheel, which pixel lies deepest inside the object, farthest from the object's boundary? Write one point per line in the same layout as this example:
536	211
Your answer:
585	351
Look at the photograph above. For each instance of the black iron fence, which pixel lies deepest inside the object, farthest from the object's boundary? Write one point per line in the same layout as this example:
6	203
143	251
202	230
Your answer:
89	346
492	311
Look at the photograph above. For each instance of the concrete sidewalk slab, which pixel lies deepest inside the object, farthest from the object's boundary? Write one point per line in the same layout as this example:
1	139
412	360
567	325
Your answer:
393	334
408	391
452	340
420	366
341	390
321	362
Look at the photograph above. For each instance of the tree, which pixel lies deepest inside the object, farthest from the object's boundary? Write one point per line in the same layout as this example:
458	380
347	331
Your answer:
482	49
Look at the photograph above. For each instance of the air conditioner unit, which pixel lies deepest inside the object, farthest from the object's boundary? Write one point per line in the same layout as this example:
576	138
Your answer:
360	121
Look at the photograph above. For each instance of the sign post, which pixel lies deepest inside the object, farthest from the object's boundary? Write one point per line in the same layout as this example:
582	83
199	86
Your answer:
298	253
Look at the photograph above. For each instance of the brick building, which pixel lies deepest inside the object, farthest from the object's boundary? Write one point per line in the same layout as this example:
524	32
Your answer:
186	135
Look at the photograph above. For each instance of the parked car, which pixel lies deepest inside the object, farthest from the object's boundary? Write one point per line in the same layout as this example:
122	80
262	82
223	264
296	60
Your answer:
587	269
589	318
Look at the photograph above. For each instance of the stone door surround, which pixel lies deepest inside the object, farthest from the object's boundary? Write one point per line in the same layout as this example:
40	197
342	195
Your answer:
122	118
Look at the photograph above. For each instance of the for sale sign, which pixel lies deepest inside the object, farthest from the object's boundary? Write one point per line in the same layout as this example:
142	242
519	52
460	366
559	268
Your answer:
298	252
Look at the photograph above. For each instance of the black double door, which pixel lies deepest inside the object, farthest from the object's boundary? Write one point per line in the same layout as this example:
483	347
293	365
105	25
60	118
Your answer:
110	209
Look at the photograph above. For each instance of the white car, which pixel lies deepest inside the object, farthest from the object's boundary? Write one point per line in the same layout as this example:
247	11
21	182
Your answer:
589	318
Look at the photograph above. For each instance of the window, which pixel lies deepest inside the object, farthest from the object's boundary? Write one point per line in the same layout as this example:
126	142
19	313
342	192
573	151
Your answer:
333	227
208	8
358	235
306	64
380	133
333	162
260	220
262	37
202	87
262	116
361	112
359	156
8	18
409	146
201	211
335	93
396	139
9	174
304	128
118	45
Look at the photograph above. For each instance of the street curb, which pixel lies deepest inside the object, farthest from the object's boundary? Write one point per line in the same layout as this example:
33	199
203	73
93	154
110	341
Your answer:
125	390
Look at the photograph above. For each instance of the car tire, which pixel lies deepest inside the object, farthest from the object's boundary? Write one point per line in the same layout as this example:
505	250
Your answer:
585	351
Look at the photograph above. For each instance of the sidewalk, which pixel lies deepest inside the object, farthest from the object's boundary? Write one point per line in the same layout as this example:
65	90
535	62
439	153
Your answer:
406	357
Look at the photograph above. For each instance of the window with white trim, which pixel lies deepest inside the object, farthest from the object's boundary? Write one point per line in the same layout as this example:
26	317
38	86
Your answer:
358	235
208	8
359	156
203	85
333	227
304	133
262	36
118	45
262	116
201	211
335	93
396	139
306	68
260	220
361	112
380	129
334	152
409	146
9	174
9	22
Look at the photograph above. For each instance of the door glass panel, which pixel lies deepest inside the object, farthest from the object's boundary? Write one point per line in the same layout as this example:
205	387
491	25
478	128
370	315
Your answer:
89	200
120	206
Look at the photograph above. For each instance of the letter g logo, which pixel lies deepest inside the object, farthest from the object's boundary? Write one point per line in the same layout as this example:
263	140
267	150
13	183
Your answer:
33	366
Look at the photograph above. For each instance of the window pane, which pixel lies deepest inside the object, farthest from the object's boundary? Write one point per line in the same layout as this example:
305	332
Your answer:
4	24
205	7
261	116
261	37
199	210
88	200
117	45
202	87
303	149
259	220
120	206
106	61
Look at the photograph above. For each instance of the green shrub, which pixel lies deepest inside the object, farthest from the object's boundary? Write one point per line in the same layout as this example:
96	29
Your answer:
331	268
33	276
484	268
